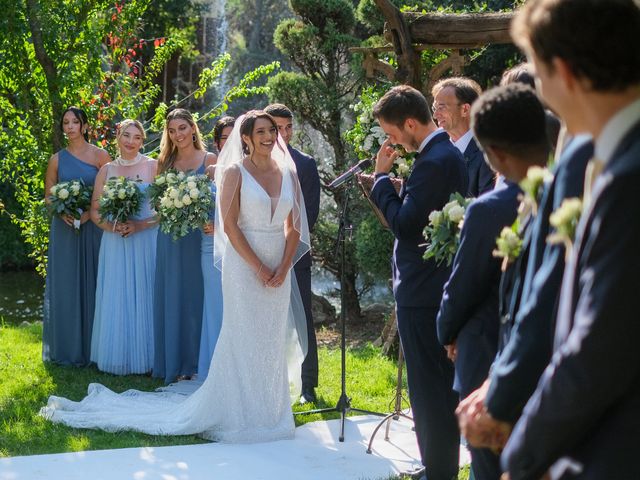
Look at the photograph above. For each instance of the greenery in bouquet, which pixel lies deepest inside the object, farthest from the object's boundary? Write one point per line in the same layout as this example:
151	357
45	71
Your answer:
156	189
185	204
443	230
70	198
367	136
121	199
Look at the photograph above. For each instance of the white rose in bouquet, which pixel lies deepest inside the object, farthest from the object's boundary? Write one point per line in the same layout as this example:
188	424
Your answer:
186	199
194	193
63	193
456	213
122	194
435	217
449	206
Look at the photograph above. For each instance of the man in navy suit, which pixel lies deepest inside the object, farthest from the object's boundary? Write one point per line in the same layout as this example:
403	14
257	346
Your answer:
527	350
310	185
452	100
438	172
509	122
582	420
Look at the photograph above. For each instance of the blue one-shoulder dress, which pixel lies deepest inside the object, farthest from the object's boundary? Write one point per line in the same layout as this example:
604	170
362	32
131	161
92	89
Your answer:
70	288
178	304
212	312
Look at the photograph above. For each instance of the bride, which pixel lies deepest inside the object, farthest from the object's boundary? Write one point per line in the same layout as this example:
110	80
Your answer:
261	231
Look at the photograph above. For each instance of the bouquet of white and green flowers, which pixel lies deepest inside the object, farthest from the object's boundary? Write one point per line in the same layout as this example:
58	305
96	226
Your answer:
121	199
443	230
185	205
164	180
70	198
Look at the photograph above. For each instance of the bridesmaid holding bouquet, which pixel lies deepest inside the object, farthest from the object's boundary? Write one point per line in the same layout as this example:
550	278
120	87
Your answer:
73	250
122	341
179	290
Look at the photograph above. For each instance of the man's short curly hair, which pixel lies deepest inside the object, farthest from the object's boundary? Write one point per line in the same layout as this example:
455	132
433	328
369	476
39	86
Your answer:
598	39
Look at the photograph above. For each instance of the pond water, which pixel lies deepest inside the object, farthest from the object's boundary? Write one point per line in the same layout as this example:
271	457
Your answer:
21	294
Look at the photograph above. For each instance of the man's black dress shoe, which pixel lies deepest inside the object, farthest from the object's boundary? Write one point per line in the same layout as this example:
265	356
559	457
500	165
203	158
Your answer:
308	395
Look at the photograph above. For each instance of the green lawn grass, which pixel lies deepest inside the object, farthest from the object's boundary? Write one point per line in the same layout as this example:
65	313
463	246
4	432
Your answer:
26	383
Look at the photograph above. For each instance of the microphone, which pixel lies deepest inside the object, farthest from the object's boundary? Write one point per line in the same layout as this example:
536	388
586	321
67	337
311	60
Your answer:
349	174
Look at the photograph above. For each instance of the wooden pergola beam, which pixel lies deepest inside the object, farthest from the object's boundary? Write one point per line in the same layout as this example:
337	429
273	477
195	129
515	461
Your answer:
456	31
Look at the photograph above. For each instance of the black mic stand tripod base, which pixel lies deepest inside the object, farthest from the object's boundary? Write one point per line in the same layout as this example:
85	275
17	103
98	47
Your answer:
344	402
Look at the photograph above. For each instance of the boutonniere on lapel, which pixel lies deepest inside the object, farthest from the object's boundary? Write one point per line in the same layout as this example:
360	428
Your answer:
509	244
532	186
565	221
443	230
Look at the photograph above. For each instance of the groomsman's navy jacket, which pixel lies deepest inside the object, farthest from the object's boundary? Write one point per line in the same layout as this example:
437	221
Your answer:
469	310
310	186
585	407
481	177
516	372
438	171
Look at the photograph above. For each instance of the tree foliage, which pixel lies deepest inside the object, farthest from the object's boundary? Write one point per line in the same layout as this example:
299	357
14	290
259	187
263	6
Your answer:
320	90
92	54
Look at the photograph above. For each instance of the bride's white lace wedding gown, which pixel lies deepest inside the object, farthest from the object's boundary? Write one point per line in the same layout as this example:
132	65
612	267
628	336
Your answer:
246	397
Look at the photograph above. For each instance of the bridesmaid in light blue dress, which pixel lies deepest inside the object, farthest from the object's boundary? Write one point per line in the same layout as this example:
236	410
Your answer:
122	341
179	289
212	311
73	254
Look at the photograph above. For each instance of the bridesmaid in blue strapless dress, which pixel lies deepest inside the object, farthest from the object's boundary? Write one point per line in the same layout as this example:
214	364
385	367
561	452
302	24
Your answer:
179	290
73	255
122	341
212	311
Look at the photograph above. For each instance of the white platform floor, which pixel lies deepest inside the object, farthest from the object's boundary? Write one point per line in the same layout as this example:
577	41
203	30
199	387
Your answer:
314	454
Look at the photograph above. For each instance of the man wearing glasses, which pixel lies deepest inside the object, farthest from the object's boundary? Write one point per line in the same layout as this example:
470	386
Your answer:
452	100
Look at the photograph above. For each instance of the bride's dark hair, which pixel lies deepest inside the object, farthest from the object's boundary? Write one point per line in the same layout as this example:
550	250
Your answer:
246	128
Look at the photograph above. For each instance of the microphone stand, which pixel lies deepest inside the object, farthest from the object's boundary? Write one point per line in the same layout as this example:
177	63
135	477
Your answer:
344	402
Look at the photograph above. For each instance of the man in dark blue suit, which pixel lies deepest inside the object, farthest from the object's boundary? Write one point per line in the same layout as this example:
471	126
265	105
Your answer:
516	372
582	420
310	184
438	171
452	100
509	122
527	349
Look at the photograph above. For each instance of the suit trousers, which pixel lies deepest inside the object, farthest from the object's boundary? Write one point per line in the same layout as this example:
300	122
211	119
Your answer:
310	364
485	464
433	400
